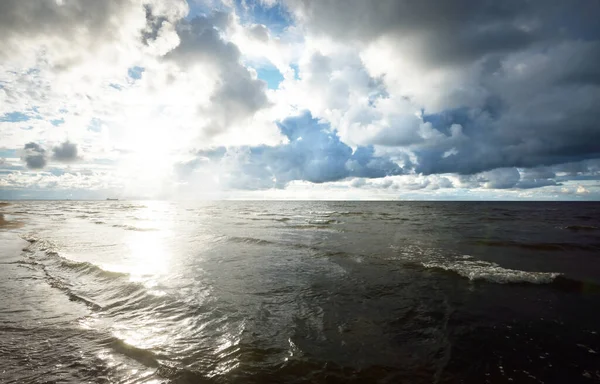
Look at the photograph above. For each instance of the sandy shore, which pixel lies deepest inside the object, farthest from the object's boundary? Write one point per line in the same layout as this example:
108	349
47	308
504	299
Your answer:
7	224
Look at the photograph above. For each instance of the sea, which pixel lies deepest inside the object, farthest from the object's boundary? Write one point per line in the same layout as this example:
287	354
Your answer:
299	292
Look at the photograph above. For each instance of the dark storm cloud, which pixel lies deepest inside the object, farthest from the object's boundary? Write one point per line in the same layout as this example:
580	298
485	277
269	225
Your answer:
537	177
534	63
65	152
313	153
563	129
543	110
451	31
34	156
506	178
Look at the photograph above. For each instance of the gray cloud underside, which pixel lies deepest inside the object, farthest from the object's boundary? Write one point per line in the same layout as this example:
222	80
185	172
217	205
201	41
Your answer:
65	152
532	64
36	157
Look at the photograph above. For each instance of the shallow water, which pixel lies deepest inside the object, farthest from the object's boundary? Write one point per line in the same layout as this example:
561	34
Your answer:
260	292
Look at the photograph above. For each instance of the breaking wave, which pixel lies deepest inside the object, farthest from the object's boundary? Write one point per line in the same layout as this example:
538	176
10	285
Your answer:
491	272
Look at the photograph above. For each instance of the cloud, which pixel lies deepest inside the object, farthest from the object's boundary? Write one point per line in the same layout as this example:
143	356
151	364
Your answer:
237	94
65	152
72	31
501	178
34	156
420	97
313	153
581	190
518	78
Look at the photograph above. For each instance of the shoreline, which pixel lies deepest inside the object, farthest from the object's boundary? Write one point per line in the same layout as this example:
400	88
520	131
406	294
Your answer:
8	224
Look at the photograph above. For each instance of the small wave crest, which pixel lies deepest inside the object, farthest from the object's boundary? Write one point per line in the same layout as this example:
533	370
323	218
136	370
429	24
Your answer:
577	228
491	272
133	228
471	268
249	240
322	221
88	268
538	246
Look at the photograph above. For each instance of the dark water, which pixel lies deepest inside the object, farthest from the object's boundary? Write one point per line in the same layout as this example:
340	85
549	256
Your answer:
295	292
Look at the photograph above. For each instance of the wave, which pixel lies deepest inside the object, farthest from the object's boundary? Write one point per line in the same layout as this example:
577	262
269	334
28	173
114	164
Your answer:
133	228
322	221
89	268
395	219
352	213
322	213
256	241
538	246
577	228
467	266
280	219
140	355
491	272
43	255
57	283
249	240
495	218
309	227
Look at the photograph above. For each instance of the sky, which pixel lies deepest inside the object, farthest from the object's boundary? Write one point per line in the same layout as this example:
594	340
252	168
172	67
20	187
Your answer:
300	99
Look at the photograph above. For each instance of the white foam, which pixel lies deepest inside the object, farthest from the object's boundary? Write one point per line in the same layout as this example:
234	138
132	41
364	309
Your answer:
483	270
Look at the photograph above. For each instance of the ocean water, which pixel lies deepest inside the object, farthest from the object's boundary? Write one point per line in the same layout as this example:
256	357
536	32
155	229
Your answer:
299	292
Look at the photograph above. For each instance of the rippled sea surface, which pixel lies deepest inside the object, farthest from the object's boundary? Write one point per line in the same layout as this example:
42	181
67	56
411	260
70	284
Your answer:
295	292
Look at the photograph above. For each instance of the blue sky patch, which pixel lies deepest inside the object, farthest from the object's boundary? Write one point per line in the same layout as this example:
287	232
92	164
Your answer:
271	76
296	71
13	117
198	8
95	125
57	171
136	72
4	153
57	122
276	18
